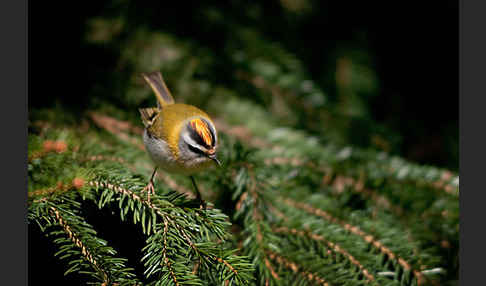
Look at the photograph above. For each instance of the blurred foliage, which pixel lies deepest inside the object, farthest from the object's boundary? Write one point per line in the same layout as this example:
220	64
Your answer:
313	81
327	68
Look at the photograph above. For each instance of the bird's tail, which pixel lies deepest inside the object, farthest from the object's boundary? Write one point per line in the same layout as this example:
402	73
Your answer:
156	82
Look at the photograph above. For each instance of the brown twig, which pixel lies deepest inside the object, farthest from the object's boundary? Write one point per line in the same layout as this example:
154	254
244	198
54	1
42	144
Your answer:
118	128
164	253
269	265
226	263
240	202
105	158
114	125
61	187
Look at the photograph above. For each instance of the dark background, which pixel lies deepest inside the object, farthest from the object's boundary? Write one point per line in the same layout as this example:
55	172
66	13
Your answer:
413	46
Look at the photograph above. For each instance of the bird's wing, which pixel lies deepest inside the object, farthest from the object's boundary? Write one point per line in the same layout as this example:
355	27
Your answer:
148	115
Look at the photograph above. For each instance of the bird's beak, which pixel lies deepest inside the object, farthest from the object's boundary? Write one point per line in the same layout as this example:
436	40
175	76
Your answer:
213	157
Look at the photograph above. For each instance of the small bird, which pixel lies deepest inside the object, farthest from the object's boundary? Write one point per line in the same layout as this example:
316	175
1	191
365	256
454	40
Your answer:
179	138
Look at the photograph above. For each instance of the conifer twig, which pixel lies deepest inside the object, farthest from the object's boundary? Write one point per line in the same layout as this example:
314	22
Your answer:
257	217
296	268
357	231
251	195
334	246
76	241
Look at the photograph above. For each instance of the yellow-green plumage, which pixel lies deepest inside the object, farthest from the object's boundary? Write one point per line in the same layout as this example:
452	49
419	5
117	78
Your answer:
169	121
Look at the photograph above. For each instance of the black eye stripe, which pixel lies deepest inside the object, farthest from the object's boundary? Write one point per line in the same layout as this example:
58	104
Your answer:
196	150
195	136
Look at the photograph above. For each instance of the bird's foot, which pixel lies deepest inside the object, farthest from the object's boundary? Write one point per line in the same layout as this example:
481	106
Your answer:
202	204
149	188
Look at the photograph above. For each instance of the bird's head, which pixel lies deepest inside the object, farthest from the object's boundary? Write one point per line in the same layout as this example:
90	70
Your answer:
198	141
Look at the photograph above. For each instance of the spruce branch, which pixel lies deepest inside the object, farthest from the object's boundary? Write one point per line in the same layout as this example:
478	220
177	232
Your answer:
339	182
204	224
78	239
312	277
171	183
251	203
379	214
160	258
370	239
254	201
334	246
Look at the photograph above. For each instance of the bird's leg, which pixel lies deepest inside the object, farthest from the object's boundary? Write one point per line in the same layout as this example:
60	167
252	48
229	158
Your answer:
198	194
150	186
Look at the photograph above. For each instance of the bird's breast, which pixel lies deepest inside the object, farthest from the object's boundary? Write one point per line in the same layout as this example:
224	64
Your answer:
162	155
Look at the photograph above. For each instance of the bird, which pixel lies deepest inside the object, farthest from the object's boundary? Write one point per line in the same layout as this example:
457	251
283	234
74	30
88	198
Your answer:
179	138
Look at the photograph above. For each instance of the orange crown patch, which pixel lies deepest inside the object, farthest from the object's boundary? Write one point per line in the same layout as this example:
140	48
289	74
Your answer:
203	130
